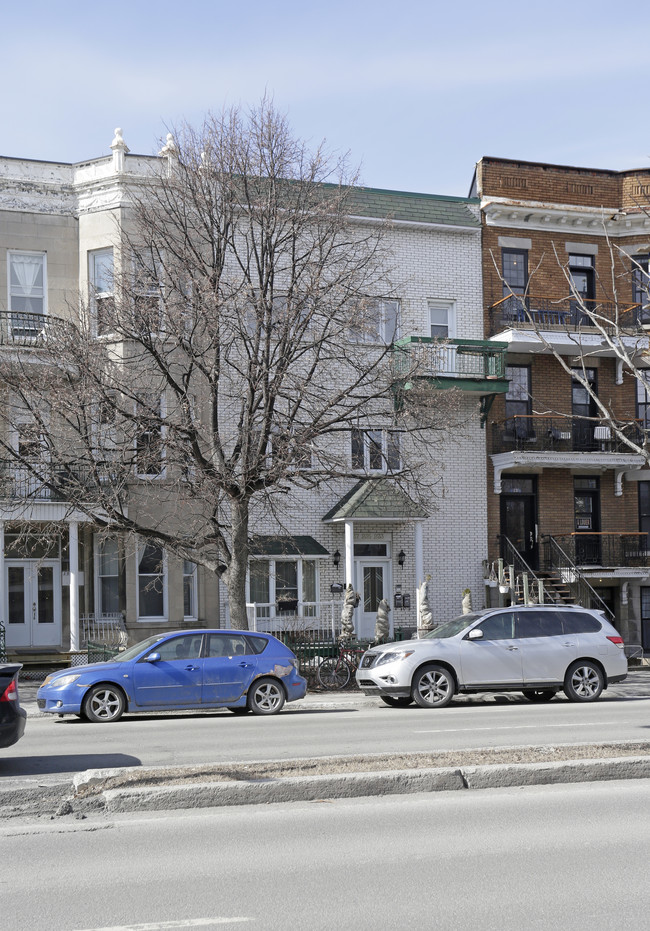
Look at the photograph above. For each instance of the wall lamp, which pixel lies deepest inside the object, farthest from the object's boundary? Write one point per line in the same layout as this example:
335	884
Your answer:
337	559
401	556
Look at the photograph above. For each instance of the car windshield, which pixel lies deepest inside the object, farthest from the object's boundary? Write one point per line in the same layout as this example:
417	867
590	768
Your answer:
137	648
451	628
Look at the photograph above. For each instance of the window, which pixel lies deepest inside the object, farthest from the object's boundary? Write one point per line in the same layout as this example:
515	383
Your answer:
643	399
645	618
152	582
149	445
107	599
375	450
499	626
180	648
640	287
27	292
514	264
189	589
583	277
228	645
147	292
644	510
280	587
100	277
538	624
518	401
379	323
442	319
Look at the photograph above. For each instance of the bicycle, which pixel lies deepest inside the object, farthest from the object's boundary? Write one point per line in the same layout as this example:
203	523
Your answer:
334	672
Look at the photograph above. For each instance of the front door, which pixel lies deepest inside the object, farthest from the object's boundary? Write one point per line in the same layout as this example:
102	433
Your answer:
33	602
519	517
586	498
373	585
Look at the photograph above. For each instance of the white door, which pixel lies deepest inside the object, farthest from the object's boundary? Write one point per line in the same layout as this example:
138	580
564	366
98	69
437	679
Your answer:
33	602
373	584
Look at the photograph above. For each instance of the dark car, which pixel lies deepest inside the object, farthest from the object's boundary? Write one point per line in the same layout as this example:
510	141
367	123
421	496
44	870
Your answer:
234	669
12	716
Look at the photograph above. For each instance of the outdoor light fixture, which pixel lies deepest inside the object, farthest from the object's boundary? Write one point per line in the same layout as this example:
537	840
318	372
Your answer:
401	556
337	559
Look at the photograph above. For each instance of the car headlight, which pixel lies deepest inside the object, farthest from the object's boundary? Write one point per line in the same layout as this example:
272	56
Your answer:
63	681
393	657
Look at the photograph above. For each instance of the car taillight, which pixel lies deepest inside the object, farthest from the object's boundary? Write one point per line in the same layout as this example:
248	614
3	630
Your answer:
617	641
10	693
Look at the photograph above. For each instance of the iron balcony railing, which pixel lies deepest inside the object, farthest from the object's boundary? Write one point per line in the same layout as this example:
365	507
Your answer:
606	549
531	433
23	329
426	357
49	482
526	312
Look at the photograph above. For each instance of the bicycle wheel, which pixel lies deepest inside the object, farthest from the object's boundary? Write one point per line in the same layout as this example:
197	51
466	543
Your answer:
333	673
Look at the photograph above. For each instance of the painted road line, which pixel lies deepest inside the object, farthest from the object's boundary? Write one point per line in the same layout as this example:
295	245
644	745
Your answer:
511	727
164	925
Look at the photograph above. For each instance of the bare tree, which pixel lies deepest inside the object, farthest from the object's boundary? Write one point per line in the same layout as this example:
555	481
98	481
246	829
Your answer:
247	338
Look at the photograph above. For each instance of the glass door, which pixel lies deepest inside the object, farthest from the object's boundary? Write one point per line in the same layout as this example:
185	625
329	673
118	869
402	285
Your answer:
33	603
373	585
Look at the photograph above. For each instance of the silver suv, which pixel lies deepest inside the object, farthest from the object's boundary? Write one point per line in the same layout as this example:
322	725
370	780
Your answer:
538	650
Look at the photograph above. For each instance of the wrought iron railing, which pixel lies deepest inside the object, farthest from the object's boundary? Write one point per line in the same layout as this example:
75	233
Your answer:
612	549
26	329
3	646
512	557
425	357
530	432
50	482
532	311
559	559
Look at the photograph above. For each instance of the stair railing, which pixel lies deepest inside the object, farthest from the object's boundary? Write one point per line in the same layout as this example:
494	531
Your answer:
512	557
556	558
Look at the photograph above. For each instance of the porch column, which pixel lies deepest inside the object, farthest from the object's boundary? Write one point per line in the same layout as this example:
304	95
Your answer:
73	550
349	553
5	620
419	564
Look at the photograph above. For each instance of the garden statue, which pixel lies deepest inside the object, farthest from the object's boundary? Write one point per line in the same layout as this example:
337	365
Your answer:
347	614
426	616
382	626
467	601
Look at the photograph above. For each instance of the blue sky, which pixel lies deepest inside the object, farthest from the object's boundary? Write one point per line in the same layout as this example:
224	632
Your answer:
416	91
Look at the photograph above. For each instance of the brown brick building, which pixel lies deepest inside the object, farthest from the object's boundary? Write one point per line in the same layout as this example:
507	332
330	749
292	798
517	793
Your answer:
566	495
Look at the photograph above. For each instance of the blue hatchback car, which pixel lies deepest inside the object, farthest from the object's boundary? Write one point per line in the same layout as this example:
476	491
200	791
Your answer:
179	671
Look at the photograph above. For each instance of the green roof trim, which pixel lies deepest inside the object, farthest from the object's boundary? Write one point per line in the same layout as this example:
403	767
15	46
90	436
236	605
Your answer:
375	499
289	545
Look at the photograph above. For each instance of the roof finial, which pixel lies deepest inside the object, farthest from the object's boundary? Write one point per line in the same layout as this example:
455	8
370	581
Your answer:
120	149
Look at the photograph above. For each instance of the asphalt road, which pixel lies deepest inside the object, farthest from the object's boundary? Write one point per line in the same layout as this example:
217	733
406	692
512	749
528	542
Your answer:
498	860
335	724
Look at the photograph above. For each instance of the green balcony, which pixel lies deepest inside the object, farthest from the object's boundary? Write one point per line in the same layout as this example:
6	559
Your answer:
475	365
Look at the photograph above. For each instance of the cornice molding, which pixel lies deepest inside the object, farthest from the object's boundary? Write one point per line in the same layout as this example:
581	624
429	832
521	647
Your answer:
565	219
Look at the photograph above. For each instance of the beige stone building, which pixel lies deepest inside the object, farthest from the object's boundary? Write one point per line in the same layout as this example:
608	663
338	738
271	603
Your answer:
63	584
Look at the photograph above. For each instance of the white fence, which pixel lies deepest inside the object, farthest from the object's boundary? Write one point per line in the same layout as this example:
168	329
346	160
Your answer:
107	629
309	616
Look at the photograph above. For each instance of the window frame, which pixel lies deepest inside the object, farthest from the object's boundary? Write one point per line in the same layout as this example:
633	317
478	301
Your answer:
450	308
163	452
94	294
361	441
37	254
98	540
508	288
194	590
380	336
152	618
269	610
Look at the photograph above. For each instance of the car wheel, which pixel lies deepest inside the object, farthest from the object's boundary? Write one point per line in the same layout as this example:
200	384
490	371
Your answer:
538	695
103	703
397	701
239	710
266	696
433	687
583	682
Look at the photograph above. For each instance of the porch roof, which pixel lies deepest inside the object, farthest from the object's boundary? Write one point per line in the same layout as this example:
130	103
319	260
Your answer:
375	499
285	545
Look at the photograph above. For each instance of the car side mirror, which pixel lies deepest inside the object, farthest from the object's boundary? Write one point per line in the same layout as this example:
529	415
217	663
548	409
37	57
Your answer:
475	634
152	658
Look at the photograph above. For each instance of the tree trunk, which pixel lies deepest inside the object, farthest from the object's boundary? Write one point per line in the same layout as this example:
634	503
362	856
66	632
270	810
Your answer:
235	576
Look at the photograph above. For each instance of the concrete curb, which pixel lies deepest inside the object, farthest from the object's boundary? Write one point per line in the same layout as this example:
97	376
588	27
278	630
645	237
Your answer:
63	798
355	785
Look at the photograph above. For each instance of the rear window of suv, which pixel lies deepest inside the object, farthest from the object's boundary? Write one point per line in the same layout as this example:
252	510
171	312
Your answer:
578	622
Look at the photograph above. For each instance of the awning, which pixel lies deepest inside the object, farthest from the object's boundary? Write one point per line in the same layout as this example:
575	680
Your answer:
289	545
375	499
